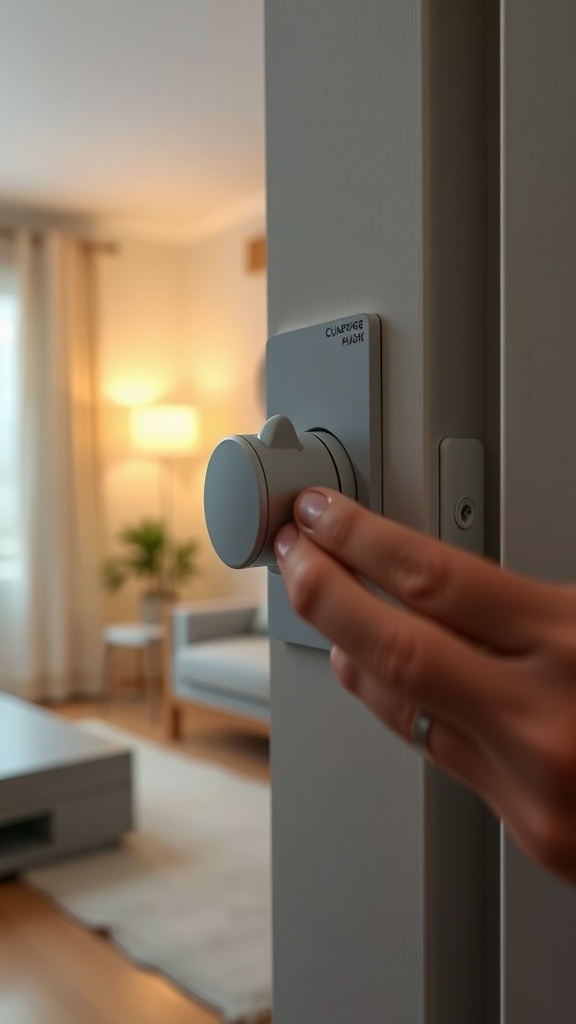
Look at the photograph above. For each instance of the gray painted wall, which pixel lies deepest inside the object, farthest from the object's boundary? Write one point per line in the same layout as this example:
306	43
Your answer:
377	201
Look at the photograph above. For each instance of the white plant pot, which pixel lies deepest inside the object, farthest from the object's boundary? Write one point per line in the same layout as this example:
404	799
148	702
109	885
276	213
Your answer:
153	603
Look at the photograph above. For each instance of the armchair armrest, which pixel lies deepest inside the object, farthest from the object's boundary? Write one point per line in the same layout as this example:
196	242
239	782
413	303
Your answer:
205	620
191	623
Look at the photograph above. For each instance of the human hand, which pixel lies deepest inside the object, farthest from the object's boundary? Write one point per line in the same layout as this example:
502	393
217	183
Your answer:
489	655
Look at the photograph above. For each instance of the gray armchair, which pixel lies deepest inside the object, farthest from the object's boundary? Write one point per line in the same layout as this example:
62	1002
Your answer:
218	655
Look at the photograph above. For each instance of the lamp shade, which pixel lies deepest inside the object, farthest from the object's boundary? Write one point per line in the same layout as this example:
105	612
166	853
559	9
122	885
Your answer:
165	430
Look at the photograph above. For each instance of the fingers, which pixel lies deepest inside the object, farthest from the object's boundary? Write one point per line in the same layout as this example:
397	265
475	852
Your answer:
501	725
466	593
450	749
417	659
545	834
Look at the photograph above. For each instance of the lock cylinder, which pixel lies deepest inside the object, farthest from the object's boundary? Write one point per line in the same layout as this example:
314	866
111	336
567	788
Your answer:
252	481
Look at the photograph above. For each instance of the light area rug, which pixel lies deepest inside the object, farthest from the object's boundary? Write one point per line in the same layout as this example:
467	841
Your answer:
187	894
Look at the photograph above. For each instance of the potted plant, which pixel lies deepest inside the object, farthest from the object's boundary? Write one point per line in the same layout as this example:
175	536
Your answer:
149	553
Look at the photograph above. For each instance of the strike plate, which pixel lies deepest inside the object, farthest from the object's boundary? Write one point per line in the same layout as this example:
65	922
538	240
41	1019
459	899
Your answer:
462	493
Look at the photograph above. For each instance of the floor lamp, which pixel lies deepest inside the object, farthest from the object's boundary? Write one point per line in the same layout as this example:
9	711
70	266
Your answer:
166	433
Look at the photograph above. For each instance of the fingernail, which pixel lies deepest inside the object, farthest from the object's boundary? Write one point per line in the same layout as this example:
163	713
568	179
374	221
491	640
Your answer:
285	540
344	669
310	506
337	659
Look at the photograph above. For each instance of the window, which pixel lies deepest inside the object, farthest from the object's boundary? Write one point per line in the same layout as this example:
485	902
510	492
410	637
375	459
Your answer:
9	441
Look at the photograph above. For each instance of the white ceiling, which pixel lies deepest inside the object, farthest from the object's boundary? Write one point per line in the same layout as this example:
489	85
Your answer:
143	112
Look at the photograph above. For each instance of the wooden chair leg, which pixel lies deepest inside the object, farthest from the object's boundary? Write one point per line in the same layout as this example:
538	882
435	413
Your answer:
150	680
171	720
107	674
171	713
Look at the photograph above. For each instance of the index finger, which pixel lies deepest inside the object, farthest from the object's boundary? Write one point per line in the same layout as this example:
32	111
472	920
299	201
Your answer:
467	593
417	658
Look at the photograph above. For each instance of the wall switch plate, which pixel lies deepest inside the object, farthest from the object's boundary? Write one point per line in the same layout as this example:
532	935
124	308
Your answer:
328	377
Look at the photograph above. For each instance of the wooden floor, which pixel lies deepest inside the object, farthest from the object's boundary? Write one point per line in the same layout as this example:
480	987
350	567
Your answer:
54	972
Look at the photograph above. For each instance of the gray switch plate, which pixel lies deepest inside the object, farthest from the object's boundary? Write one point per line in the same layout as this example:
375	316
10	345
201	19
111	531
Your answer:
328	377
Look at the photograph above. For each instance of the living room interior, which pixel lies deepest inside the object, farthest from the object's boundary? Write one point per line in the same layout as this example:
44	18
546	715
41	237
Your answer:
134	681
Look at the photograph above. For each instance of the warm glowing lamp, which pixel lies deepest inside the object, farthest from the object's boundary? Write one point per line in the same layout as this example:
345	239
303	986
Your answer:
166	431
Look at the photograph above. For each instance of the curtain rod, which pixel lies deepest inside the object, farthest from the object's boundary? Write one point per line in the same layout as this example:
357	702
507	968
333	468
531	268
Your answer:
9	232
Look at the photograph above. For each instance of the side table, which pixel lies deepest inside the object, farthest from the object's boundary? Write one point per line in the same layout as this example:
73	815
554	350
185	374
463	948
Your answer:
142	636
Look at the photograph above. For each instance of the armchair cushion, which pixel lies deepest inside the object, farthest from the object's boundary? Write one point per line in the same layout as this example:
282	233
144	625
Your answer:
260	620
220	656
238	666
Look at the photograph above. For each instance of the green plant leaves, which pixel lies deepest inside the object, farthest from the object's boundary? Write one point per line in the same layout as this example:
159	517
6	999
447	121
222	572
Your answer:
114	574
150	553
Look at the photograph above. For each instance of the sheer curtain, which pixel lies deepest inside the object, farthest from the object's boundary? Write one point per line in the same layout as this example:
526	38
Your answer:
49	540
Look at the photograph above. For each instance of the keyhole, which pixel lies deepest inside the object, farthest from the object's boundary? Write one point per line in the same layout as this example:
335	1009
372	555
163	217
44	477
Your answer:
465	513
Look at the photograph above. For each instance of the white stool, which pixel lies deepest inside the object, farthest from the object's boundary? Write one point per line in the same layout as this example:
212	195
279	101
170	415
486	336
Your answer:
142	636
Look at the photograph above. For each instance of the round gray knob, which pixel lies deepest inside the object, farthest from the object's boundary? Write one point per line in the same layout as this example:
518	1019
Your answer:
252	482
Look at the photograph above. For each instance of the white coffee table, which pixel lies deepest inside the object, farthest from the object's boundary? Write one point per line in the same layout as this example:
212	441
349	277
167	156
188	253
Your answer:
62	791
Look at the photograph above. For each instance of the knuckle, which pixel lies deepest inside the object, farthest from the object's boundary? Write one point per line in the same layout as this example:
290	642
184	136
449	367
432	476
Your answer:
396	660
419	574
